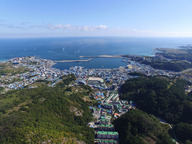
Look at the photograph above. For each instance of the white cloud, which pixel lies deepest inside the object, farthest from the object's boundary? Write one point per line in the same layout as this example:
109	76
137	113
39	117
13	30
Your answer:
76	28
59	26
84	30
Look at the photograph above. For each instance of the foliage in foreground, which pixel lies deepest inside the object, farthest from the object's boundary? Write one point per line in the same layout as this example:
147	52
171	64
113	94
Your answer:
165	98
138	127
160	96
183	132
50	116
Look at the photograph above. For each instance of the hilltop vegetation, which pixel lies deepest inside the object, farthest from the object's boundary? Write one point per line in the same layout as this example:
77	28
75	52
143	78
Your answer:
8	69
184	132
160	96
138	127
46	114
176	59
164	64
165	98
184	53
173	65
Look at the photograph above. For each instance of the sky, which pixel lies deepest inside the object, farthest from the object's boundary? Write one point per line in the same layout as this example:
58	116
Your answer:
61	18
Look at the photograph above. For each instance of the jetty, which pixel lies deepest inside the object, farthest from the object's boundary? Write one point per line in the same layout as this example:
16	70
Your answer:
68	61
103	56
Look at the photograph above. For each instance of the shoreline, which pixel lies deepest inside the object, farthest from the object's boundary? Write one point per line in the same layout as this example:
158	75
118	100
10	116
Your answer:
3	60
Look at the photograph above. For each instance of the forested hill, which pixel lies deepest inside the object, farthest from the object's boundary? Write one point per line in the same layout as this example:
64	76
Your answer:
138	127
46	114
165	98
161	96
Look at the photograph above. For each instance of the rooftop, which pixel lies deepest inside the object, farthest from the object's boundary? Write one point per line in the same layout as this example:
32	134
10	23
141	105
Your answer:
107	133
95	79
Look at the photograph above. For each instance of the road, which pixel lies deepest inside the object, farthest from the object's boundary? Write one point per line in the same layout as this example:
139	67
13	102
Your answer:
184	71
163	122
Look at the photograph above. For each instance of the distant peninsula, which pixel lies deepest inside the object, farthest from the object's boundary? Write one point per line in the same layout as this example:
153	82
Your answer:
176	60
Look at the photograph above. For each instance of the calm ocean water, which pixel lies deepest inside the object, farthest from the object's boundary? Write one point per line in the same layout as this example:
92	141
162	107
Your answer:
72	48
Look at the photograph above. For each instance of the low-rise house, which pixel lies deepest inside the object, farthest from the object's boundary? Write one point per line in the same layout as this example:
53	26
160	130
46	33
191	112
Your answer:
107	135
106	127
107	106
107	142
104	121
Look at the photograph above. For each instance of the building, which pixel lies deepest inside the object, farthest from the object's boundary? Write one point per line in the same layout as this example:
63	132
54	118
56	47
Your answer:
103	127
107	135
95	81
107	106
104	121
107	142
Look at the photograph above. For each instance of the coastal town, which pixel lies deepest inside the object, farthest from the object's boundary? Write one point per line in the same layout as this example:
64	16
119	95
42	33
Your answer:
41	69
104	82
96	72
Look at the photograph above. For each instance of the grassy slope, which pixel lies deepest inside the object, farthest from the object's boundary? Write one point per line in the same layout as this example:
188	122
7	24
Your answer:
8	69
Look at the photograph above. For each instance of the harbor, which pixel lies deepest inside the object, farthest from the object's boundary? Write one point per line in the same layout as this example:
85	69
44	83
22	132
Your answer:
70	61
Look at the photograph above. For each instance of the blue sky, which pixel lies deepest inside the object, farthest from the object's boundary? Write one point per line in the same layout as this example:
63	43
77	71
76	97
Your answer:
52	18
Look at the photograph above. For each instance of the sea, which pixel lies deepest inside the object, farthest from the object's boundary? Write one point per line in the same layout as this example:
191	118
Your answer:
71	48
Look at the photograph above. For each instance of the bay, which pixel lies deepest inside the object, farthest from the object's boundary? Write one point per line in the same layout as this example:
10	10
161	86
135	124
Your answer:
71	48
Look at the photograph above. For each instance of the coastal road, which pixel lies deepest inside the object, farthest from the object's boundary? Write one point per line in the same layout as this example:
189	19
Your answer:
184	71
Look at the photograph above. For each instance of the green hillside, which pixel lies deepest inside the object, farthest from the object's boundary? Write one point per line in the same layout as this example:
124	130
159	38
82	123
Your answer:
138	127
46	114
165	98
161	96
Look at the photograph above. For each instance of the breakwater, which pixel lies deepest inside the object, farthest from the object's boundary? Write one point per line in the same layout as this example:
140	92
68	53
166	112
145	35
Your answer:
68	61
103	56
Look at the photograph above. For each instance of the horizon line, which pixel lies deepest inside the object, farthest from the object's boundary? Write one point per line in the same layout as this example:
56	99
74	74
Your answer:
95	37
